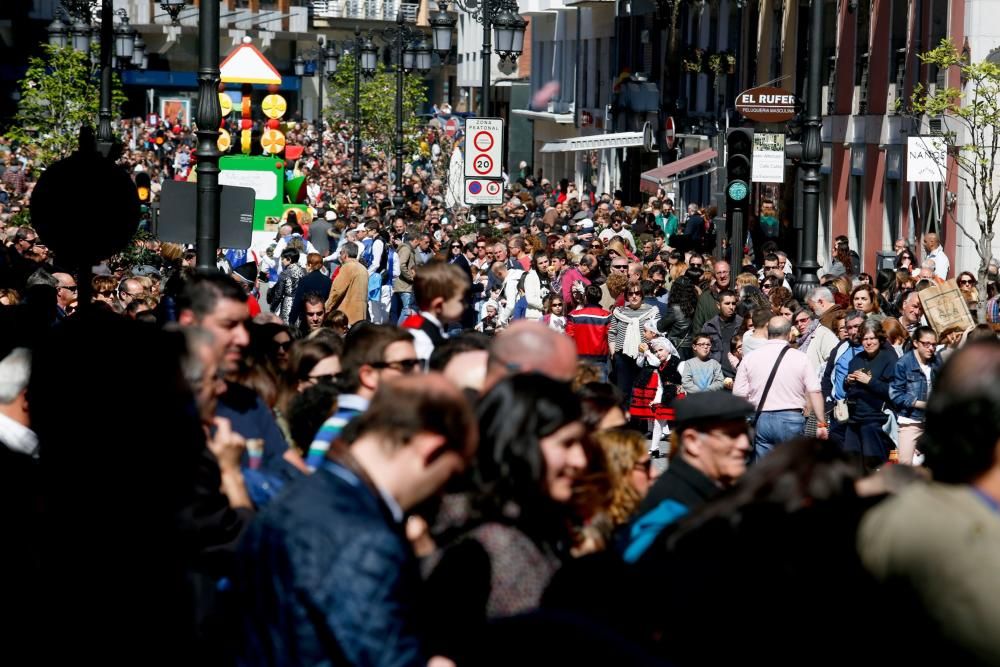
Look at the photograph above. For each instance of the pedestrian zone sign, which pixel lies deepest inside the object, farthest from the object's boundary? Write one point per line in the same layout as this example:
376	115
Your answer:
483	148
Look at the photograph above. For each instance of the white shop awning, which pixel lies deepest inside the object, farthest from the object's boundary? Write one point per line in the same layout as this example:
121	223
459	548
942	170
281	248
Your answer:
594	142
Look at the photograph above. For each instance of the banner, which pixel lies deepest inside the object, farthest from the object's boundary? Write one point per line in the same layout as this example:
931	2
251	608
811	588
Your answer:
768	164
926	159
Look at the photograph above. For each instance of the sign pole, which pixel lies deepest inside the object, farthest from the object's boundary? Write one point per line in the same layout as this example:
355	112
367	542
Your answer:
812	160
209	118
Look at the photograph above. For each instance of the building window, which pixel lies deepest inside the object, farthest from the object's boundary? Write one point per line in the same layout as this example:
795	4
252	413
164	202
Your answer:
893	203
598	77
584	74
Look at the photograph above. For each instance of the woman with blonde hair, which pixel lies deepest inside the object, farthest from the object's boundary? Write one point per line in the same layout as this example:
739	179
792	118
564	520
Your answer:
677	270
629	469
745	279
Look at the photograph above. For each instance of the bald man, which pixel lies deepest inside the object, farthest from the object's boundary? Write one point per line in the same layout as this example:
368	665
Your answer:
526	346
934	251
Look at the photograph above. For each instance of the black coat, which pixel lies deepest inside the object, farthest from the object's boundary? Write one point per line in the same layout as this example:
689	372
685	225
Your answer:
314	281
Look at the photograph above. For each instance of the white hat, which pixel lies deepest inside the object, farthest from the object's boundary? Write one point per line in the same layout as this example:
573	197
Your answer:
331	215
522	165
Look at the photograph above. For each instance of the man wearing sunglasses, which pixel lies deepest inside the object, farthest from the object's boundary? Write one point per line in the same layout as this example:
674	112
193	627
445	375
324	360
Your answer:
66	291
372	354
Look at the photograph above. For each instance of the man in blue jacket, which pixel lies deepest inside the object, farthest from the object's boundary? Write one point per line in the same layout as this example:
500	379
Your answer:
914	374
326	575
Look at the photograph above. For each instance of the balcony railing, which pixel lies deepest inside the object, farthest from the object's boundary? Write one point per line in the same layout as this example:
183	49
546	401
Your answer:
365	10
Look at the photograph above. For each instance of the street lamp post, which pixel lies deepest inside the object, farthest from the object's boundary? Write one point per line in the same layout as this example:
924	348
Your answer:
209	116
121	43
326	59
812	157
366	63
411	52
500	19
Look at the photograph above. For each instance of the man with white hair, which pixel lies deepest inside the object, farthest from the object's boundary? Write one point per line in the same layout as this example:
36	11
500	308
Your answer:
932	246
19	493
16	435
824	339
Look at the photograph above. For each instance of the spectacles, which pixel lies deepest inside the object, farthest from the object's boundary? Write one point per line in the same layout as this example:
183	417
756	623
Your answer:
456	247
557	305
696	265
404	366
925	343
284	346
643	466
71	288
326	378
107	293
634	293
702	345
619	267
964	282
802	320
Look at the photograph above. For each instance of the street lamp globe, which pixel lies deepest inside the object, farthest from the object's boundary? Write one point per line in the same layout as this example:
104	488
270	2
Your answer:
422	56
174	8
81	36
58	33
299	66
138	50
520	26
369	57
441	26
331	56
503	32
409	55
124	42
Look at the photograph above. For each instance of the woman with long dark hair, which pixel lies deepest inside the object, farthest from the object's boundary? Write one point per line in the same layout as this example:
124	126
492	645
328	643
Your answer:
680	315
530	457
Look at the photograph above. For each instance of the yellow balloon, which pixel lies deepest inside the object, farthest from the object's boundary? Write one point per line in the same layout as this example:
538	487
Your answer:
224	141
274	106
272	141
245	142
226	102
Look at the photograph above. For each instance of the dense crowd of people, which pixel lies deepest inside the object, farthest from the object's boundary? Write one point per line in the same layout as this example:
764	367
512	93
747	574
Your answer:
397	436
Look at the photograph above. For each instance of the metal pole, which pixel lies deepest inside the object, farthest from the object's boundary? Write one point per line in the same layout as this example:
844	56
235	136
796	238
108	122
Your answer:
484	102
209	115
400	45
812	157
105	135
322	84
356	170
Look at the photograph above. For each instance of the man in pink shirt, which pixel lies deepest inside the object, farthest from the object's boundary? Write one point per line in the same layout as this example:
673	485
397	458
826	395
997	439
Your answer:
794	388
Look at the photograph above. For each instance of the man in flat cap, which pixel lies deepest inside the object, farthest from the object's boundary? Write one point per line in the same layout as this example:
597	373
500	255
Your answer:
709	452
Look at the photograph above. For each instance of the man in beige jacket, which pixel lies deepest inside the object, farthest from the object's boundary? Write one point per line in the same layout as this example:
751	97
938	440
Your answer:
349	291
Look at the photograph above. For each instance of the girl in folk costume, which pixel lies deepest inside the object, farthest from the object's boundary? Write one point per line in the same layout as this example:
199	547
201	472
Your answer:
658	384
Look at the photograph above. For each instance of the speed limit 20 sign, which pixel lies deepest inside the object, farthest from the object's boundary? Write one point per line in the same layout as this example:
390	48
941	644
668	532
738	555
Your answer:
483	147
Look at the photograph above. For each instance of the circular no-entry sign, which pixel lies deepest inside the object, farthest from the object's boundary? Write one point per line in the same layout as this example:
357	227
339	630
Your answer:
451	127
669	133
483	141
475	187
482	164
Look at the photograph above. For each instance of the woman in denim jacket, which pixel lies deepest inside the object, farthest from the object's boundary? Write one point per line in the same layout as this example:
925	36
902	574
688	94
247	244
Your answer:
911	385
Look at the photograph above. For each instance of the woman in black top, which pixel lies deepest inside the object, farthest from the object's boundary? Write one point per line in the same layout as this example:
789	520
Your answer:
869	375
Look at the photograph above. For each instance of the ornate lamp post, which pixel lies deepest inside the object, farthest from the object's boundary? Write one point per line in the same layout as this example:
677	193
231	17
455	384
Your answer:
500	21
812	157
412	52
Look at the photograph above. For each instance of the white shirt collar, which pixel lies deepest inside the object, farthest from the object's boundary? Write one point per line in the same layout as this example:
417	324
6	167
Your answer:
17	437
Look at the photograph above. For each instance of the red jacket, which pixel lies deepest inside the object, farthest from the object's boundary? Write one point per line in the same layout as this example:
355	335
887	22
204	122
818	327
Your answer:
589	328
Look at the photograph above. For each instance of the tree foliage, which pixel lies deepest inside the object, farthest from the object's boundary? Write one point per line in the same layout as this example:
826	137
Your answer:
59	92
377	104
971	115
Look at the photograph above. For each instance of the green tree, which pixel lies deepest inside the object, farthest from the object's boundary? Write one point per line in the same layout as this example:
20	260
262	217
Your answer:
971	115
59	92
377	104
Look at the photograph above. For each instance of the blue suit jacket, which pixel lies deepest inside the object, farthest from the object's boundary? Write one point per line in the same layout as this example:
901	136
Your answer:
325	577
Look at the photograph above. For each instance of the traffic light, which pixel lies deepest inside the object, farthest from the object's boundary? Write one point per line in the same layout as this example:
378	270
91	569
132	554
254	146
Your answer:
739	145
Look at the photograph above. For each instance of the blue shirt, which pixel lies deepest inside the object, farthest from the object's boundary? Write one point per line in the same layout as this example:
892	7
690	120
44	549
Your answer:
840	371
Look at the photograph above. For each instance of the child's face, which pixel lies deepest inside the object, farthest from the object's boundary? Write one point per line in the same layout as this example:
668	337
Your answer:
662	354
649	335
703	348
490	311
452	309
